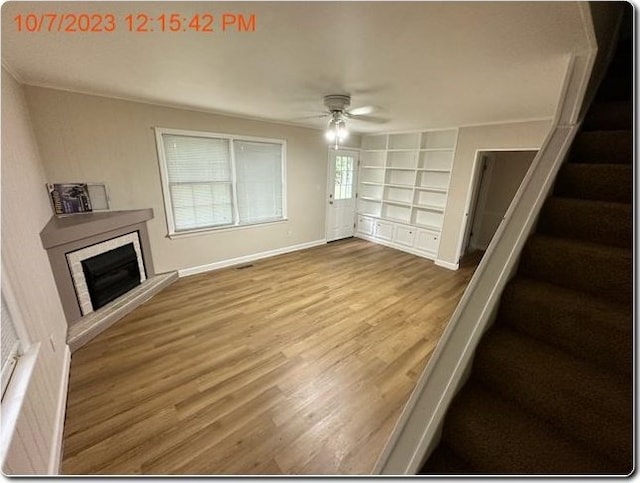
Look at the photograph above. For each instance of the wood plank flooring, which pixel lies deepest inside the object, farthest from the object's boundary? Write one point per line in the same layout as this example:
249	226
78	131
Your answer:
297	364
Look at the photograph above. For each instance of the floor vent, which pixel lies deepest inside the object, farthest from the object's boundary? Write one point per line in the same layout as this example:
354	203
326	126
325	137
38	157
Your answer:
242	267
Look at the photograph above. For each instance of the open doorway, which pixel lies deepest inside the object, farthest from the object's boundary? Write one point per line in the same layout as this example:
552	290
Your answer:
498	177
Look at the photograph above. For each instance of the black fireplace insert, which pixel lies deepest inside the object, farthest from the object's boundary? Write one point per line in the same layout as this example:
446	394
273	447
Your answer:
111	274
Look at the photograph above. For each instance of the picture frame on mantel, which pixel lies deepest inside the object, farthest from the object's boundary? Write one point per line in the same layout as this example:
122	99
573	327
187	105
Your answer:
99	196
69	198
76	198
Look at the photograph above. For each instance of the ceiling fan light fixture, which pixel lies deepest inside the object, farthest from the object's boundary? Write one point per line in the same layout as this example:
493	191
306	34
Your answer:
337	130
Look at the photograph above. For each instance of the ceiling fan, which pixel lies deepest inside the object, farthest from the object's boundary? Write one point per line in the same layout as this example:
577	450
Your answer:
338	113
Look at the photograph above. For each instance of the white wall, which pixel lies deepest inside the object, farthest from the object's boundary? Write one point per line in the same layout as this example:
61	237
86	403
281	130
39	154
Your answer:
25	211
522	135
90	138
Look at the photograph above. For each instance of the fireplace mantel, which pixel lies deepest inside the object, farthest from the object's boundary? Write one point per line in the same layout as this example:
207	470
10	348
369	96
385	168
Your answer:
71	228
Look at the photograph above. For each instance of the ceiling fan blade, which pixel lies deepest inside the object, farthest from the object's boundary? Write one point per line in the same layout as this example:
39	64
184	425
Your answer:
373	119
315	116
362	111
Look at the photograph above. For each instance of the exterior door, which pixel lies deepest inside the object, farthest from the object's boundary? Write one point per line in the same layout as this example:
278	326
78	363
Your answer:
341	202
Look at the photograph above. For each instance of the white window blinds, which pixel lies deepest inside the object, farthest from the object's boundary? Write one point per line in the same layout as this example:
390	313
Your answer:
199	172
259	178
212	181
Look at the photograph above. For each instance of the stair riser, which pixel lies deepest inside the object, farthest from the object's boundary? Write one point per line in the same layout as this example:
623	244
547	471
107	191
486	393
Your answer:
617	88
607	223
577	268
609	116
599	182
614	147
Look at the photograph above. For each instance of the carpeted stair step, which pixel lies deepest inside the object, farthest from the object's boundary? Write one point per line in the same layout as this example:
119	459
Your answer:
593	221
445	461
609	116
600	270
603	147
580	400
499	438
602	182
584	326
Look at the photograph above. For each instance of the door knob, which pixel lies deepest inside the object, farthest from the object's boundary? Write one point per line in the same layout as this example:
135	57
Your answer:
330	202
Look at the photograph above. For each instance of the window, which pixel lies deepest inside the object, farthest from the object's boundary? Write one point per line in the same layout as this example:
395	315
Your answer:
11	349
218	181
343	178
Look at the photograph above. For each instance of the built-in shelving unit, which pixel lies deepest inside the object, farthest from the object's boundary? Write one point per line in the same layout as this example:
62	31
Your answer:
403	187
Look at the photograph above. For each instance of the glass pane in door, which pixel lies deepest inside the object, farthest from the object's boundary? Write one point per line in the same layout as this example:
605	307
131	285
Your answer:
343	184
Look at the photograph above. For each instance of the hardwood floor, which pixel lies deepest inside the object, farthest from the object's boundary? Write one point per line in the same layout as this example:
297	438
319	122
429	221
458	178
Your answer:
297	364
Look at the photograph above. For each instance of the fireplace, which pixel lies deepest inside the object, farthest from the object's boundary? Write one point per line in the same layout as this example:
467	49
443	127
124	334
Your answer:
111	274
72	240
103	268
106	269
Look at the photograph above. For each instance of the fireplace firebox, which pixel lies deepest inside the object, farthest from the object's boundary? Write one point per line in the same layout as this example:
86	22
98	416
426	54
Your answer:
111	274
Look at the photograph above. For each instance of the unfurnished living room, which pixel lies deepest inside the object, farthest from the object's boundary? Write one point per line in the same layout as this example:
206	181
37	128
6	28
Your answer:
317	238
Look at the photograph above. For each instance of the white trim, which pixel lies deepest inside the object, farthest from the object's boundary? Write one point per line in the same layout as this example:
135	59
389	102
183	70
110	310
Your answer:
55	456
15	396
185	272
445	264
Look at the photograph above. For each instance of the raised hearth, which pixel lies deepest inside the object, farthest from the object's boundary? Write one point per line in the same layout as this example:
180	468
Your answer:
72	239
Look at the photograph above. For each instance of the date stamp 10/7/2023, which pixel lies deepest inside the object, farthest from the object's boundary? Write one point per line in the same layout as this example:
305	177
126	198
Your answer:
138	22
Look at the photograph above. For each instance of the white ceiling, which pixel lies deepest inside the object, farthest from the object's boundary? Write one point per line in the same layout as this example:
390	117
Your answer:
425	64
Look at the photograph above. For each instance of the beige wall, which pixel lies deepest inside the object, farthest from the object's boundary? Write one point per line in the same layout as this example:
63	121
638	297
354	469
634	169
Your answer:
523	135
90	138
505	172
25	211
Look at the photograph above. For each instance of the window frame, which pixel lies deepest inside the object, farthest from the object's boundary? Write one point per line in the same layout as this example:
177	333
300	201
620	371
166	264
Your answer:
236	225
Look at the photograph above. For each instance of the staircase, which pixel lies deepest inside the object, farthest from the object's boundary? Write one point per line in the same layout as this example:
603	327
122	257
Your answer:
550	389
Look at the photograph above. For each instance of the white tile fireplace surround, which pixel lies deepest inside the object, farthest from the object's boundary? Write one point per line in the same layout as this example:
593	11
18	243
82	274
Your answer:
71	239
77	273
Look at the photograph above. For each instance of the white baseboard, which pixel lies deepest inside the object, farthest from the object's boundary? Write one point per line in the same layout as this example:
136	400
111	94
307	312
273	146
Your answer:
185	272
445	264
55	457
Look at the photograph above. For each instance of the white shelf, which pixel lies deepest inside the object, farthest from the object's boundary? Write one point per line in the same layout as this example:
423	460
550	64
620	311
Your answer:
439	209
434	189
394	185
397	203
